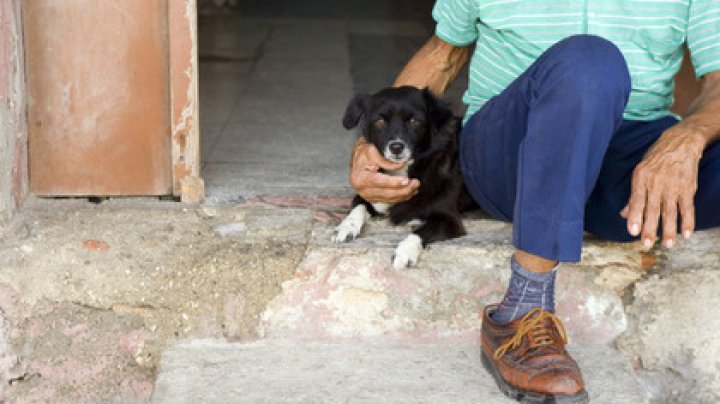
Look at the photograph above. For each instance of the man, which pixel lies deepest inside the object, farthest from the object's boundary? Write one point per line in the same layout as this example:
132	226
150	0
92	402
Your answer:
567	130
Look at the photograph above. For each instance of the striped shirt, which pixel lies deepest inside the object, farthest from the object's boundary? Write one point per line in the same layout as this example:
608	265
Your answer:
510	34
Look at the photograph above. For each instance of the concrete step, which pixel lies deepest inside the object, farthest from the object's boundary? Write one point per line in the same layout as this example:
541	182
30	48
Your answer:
350	290
383	335
275	371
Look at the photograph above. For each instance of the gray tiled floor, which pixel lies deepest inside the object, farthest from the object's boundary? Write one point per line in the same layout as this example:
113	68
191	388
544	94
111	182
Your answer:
275	77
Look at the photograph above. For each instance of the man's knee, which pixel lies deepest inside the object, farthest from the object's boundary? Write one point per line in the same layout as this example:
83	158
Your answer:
590	64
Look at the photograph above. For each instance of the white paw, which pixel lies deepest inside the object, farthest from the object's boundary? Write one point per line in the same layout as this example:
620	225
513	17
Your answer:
345	233
351	226
407	252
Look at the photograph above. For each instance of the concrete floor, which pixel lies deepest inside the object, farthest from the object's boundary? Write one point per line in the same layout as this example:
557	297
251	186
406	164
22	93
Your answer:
275	78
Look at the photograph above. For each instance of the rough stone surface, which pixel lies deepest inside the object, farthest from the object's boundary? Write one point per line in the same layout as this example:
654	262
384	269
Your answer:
77	276
285	371
11	367
674	334
699	252
72	353
350	290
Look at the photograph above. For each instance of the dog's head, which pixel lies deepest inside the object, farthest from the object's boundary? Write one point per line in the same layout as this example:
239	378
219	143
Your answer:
400	121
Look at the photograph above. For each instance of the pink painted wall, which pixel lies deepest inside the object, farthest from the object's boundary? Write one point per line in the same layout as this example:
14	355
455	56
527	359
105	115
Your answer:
13	123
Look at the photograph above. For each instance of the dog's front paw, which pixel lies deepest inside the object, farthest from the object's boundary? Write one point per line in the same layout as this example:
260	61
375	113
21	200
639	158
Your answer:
343	234
407	252
351	226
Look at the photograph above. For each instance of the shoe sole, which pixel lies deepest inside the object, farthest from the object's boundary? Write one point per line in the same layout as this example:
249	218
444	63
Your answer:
524	396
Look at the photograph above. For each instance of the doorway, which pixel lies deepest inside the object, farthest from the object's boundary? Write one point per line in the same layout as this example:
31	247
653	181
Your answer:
275	77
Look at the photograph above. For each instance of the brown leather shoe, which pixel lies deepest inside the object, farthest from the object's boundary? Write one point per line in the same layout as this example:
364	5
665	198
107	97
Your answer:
528	360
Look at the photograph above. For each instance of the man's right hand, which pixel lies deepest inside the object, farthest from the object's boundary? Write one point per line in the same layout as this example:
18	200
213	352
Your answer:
374	186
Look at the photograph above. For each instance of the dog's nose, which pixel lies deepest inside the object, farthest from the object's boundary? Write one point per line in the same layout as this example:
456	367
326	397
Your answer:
397	147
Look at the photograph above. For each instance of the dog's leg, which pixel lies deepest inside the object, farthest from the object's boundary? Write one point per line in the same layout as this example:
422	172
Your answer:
436	228
353	223
407	252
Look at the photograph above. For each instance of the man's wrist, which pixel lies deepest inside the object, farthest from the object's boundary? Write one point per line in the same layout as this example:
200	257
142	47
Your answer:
697	132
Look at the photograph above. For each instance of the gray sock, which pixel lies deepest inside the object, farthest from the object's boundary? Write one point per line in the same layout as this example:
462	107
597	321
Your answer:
527	290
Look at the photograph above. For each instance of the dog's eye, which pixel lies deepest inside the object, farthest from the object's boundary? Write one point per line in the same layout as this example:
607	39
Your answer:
414	121
379	123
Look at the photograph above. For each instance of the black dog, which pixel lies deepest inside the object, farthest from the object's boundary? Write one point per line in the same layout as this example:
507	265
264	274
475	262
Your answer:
412	126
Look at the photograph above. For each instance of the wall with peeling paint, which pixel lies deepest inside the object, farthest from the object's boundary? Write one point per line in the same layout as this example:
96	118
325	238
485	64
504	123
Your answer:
182	17
13	127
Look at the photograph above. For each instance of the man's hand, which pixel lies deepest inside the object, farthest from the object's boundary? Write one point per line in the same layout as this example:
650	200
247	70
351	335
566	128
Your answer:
375	186
664	184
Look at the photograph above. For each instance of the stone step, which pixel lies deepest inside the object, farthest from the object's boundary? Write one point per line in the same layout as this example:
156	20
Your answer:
350	290
340	291
284	371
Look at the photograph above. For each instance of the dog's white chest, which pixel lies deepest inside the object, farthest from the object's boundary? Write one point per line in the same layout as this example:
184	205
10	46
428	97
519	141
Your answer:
382	207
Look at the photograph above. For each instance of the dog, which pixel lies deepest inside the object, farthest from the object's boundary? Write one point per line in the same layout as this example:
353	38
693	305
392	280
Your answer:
413	126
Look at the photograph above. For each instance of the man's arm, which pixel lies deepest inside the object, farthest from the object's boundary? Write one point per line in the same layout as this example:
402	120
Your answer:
665	181
435	65
704	113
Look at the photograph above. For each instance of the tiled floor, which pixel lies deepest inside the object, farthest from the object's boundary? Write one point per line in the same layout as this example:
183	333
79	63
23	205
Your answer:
275	77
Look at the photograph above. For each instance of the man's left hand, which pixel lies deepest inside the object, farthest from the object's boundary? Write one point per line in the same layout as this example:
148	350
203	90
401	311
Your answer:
663	184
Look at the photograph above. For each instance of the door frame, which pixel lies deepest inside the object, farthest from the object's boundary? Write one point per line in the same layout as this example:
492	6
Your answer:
184	101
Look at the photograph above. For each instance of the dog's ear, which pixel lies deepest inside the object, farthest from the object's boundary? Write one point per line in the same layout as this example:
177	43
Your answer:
438	111
355	110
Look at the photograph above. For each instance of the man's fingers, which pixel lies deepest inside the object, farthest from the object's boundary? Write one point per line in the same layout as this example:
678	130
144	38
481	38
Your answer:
636	207
373	155
391	195
365	154
664	183
380	180
650	220
687	213
386	188
624	212
390	165
384	196
368	177
669	219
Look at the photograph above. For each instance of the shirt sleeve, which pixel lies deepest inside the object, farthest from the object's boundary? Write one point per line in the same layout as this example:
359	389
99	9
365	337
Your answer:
456	21
703	35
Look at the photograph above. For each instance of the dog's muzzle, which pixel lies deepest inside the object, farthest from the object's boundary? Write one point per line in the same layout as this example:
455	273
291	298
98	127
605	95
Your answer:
397	151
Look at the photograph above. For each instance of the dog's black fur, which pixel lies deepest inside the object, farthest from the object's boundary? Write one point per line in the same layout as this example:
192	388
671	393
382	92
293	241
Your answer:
430	131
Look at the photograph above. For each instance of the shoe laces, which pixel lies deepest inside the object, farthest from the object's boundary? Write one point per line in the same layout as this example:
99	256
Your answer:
532	325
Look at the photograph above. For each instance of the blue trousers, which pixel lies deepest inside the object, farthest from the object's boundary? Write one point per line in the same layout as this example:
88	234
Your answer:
553	155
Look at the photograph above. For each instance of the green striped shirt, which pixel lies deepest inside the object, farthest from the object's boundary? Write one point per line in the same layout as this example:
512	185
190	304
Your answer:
510	34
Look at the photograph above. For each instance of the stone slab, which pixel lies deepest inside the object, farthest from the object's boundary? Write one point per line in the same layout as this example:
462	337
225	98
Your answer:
673	333
342	293
212	371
